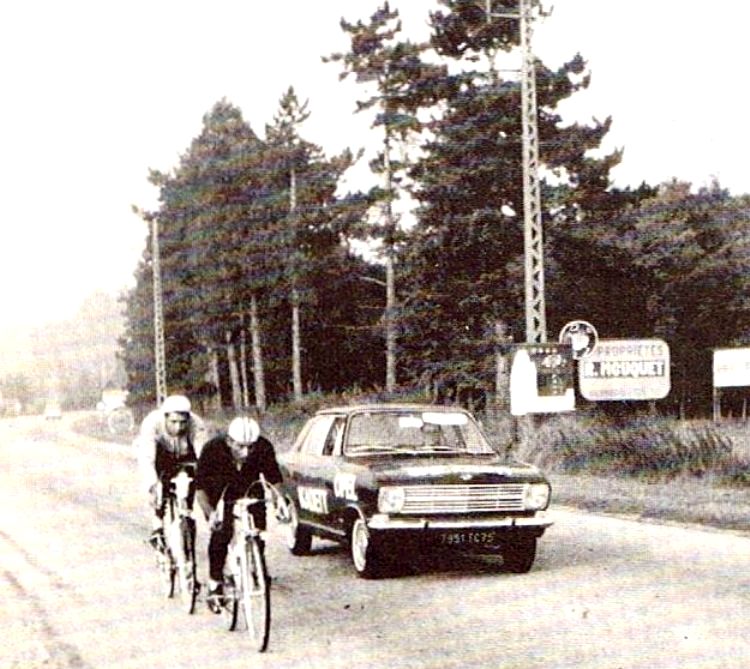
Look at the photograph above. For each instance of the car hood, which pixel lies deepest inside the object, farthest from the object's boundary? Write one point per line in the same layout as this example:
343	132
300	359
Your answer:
455	470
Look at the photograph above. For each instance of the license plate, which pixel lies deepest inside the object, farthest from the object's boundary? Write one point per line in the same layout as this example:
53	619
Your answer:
467	539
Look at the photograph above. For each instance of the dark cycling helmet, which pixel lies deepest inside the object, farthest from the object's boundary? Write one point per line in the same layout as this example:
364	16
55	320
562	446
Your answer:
176	404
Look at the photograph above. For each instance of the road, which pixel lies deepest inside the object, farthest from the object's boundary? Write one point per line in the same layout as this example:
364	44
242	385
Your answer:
80	588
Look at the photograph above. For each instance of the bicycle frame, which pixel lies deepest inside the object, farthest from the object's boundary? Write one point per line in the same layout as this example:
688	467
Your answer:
248	586
179	535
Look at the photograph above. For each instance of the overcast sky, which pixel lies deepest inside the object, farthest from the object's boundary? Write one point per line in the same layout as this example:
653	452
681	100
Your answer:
97	92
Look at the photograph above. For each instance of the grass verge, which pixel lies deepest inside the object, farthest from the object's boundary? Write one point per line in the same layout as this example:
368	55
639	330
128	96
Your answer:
694	501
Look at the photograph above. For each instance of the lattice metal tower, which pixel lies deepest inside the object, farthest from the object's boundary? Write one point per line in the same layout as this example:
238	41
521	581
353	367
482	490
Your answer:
536	327
159	354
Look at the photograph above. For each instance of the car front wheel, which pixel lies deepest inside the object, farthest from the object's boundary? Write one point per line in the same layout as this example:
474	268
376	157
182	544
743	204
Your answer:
298	537
364	554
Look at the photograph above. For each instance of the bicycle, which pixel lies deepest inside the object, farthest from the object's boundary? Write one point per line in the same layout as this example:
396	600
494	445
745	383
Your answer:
176	557
247	586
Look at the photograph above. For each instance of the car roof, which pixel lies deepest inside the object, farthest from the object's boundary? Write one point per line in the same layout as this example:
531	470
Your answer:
390	406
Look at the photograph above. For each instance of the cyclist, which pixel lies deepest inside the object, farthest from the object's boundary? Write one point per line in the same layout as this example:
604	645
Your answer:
227	467
169	436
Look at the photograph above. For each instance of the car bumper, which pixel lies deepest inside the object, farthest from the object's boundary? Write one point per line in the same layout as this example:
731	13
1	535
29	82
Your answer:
380	521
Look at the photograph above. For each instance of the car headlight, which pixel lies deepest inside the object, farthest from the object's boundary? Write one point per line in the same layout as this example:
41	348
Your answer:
536	496
391	499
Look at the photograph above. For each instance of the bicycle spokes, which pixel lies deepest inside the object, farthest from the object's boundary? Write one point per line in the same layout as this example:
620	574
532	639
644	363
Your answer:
256	600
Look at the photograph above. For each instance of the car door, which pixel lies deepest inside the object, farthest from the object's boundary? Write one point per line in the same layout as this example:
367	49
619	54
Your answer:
335	475
310	473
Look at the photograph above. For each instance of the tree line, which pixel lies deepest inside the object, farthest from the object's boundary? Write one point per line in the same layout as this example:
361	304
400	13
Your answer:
69	361
265	298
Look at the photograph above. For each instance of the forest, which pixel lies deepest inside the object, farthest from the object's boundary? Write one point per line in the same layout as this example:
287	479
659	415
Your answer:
267	296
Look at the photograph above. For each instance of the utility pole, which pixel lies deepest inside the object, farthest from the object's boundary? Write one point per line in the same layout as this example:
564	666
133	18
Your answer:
295	300
536	327
390	273
159	355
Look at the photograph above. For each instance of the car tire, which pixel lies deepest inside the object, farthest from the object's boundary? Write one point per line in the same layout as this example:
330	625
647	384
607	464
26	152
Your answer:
365	557
298	537
519	554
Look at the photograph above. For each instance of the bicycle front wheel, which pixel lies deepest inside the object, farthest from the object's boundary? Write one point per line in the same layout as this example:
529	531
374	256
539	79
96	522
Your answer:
256	595
186	565
167	572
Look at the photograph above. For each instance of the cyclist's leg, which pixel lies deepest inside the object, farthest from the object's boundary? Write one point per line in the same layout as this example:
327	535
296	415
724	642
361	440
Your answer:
259	518
217	554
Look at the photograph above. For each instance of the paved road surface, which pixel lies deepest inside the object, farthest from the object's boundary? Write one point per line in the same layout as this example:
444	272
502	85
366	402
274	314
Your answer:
80	590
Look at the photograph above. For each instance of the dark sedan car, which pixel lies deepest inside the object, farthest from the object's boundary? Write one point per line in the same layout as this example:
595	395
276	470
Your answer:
389	478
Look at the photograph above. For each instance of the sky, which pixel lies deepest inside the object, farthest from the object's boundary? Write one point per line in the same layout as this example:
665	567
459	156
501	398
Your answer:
95	94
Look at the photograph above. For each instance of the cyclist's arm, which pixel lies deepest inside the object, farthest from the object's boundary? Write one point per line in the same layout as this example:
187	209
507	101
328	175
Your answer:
275	496
269	465
145	444
198	433
204	503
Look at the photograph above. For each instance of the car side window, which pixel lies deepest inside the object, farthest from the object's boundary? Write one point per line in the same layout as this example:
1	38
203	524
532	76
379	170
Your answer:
315	439
335	437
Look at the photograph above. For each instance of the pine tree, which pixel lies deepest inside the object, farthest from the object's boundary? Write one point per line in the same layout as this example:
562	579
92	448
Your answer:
465	256
205	222
396	70
688	251
308	230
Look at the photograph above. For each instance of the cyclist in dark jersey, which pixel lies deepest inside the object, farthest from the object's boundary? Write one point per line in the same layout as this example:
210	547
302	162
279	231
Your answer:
227	467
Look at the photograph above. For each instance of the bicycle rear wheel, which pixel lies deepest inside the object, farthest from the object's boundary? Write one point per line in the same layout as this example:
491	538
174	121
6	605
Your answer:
186	565
256	595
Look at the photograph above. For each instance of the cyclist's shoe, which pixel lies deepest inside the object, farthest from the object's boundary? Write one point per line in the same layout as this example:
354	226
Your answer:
215	598
156	540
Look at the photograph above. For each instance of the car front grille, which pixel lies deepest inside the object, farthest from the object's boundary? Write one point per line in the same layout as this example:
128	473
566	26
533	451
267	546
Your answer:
463	498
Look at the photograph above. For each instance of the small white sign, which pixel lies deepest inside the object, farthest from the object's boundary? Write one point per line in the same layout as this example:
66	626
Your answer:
581	336
541	380
625	369
731	367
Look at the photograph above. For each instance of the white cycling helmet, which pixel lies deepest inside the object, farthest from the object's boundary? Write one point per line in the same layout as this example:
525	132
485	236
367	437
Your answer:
244	430
176	404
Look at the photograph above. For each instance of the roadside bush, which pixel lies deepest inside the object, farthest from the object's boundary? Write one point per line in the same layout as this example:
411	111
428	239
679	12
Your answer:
646	446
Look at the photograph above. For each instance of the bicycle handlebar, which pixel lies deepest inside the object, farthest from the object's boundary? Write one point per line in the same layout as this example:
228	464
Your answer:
271	495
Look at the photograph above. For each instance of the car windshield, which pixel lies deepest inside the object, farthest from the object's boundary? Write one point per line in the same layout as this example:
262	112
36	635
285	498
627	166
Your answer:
414	432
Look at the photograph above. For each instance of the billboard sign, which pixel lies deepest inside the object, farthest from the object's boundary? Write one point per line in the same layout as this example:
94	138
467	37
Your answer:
625	369
542	379
731	367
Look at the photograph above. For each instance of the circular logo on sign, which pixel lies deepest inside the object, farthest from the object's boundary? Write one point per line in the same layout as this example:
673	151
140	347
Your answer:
581	336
